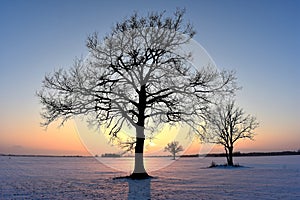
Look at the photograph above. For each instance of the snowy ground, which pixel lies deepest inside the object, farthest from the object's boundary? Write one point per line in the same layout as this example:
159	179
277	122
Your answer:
187	178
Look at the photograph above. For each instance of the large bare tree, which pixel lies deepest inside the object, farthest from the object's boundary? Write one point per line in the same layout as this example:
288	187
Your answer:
135	77
226	124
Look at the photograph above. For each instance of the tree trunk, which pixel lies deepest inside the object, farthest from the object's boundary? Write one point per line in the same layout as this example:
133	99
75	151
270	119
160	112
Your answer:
230	156
227	156
139	156
139	171
174	156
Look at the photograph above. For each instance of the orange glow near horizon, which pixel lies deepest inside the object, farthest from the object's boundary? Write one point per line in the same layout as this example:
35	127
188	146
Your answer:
33	139
71	140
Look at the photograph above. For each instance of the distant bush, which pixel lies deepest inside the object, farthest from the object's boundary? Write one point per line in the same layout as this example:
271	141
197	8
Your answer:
213	164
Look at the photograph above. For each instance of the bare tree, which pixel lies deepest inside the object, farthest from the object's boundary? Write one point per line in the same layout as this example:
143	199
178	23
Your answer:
134	77
173	148
226	124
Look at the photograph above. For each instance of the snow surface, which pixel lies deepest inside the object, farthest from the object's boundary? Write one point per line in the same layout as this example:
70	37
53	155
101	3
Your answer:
187	178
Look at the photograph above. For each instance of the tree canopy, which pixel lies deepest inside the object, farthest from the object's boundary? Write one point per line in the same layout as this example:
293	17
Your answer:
136	77
173	148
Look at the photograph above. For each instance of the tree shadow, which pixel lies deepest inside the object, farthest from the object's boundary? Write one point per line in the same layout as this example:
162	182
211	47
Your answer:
139	189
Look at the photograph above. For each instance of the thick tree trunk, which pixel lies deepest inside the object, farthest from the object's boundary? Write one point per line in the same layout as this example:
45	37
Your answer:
227	156
139	171
174	156
230	156
139	156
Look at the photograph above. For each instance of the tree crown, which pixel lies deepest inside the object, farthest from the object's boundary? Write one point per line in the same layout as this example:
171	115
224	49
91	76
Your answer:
227	123
173	147
135	77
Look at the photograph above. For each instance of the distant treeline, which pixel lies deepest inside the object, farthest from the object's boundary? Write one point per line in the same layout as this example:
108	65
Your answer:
31	155
236	154
111	155
239	154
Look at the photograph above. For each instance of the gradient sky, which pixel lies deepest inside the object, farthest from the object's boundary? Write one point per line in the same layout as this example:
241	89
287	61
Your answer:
259	39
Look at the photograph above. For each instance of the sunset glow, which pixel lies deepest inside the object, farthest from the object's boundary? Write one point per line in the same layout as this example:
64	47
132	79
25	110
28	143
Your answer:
260	41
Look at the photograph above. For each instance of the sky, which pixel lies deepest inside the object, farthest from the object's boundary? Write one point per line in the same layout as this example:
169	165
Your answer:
260	40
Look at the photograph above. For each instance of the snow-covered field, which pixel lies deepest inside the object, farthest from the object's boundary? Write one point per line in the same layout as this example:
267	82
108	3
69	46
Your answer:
187	178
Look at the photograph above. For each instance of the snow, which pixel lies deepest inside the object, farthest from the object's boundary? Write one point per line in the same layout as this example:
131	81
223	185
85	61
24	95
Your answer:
275	177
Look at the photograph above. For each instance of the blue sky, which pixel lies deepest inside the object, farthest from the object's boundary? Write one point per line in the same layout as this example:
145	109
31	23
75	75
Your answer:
258	39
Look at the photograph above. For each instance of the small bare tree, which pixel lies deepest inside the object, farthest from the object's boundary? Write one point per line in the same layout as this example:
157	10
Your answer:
226	124
173	148
135	77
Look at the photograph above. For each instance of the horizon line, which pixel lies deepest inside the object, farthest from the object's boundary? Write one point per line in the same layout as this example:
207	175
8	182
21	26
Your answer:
255	153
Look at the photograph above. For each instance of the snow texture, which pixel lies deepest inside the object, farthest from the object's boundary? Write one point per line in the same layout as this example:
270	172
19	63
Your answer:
275	177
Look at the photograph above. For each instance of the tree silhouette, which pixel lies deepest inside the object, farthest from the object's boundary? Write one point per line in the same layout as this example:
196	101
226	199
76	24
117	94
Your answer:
173	148
226	124
135	77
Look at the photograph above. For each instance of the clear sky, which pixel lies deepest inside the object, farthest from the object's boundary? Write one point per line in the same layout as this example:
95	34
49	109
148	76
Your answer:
259	39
